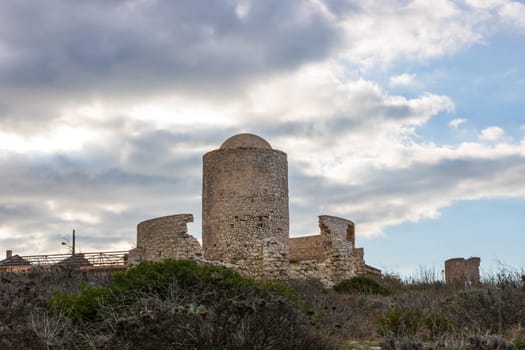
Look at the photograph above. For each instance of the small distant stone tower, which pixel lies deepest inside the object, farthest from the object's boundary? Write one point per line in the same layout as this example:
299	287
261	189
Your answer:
245	218
462	271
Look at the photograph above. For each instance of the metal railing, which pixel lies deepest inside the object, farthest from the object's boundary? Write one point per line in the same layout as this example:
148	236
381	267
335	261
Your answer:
97	259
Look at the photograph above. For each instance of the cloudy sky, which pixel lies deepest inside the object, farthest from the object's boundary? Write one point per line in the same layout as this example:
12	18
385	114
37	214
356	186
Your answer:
407	117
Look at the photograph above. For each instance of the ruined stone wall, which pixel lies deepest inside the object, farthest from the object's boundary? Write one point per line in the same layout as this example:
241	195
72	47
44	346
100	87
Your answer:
163	238
372	272
245	209
245	222
462	271
306	248
329	256
275	260
339	248
306	269
358	262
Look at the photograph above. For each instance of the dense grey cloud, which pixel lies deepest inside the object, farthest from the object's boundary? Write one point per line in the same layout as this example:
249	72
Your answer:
136	44
61	53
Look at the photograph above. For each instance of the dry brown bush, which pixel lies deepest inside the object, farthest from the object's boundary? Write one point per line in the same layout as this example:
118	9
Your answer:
445	316
24	296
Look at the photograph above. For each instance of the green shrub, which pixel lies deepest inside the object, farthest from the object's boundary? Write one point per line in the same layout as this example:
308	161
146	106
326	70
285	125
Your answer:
199	283
519	345
362	285
83	306
436	325
403	323
183	305
399	322
158	276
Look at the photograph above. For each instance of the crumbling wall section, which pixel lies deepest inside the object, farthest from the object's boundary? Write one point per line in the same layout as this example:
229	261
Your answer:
338	263
165	238
462	271
328	256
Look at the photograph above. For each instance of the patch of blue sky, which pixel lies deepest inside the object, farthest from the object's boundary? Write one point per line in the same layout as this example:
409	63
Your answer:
486	82
493	229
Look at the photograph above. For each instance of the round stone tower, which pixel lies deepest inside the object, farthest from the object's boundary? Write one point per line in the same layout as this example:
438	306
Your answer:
245	207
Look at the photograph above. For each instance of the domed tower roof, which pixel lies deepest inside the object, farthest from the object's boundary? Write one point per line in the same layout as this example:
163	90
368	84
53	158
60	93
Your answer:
246	141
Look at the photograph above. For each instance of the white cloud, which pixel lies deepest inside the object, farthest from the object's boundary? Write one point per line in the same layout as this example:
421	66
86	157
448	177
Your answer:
380	33
514	13
508	13
385	32
436	176
404	79
485	4
492	133
79	217
64	138
242	9
455	123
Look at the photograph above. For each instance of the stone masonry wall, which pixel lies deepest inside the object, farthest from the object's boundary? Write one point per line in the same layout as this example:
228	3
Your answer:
462	271
358	262
245	210
165	237
275	260
306	248
372	272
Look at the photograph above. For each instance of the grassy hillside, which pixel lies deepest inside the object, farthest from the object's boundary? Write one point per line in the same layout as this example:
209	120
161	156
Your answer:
183	305
164	305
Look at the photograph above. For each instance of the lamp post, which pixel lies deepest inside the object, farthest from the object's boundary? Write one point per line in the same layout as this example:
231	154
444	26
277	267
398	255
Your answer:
72	246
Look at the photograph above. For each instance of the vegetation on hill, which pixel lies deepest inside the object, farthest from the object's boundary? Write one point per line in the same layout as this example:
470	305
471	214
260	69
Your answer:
361	284
173	304
424	313
185	305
